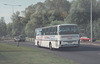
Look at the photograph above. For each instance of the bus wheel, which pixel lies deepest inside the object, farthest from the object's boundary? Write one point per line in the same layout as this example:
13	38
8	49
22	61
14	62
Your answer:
50	46
38	44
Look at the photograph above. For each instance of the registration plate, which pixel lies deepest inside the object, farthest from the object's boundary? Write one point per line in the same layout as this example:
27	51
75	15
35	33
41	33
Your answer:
69	42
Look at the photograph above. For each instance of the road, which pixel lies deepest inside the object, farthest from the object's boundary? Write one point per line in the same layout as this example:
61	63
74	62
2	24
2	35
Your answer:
85	54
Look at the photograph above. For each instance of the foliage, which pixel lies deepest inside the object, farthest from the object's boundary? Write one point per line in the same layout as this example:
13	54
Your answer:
18	24
2	27
53	12
41	14
9	29
30	27
80	14
96	28
57	22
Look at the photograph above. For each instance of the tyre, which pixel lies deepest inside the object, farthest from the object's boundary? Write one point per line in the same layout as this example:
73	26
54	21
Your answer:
38	44
50	46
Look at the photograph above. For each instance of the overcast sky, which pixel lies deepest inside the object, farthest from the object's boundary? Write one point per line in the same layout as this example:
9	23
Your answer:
6	11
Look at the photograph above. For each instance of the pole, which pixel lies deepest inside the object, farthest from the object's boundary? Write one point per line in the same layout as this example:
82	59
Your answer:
91	23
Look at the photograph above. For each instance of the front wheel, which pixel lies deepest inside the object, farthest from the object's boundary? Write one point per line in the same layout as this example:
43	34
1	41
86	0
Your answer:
38	44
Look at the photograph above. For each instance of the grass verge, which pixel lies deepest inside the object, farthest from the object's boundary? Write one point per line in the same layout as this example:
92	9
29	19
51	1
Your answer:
97	40
10	54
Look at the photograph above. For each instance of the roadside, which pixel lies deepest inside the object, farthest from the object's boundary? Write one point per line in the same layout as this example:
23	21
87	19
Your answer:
85	54
10	54
97	43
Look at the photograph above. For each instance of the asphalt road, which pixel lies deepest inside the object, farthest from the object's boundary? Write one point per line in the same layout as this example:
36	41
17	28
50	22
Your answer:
85	54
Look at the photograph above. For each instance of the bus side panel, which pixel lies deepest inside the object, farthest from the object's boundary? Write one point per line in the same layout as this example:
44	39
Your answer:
35	42
53	39
38	40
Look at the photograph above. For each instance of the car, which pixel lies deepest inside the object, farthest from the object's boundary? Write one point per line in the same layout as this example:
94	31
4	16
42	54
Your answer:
19	39
86	39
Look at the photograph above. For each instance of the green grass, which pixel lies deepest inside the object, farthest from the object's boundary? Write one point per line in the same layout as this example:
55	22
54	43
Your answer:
98	40
10	54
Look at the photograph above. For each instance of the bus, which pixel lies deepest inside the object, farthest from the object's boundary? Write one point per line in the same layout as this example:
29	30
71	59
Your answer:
57	36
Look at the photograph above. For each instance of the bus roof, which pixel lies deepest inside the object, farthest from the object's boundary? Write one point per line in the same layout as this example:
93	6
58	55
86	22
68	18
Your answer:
67	24
57	25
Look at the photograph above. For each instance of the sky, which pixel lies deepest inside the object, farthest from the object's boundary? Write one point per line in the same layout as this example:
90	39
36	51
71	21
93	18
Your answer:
6	11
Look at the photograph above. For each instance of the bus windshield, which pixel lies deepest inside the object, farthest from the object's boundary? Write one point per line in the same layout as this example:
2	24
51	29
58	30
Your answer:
68	29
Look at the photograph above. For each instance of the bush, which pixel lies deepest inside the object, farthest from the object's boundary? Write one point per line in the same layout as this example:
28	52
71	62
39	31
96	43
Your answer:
96	28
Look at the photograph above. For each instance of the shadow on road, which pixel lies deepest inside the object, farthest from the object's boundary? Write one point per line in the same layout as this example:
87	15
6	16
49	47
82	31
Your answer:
81	48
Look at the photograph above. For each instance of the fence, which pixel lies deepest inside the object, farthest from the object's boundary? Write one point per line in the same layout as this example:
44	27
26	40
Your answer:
30	39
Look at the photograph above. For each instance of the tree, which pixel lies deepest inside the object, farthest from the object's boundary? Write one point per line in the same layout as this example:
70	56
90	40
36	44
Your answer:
57	22
96	12
30	28
17	25
28	12
9	29
96	28
79	12
2	27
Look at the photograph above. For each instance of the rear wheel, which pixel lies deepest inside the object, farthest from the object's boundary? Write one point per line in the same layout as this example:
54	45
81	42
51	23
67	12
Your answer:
50	46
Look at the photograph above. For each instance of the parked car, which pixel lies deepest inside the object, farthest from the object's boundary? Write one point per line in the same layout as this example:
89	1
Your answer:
19	39
86	39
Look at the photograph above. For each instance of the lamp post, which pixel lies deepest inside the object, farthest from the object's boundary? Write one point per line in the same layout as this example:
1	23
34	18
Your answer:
12	6
91	23
12	12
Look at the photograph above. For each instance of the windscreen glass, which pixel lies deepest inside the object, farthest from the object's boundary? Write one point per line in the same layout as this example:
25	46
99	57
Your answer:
69	29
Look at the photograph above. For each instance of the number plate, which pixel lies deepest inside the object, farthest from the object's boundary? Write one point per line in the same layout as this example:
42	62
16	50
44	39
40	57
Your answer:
69	42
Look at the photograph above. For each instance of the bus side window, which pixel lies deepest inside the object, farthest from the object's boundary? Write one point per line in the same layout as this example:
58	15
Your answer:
47	32
43	31
55	31
51	31
38	32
